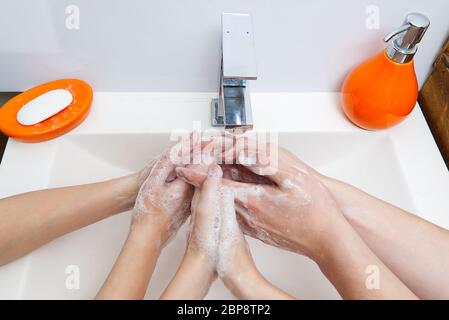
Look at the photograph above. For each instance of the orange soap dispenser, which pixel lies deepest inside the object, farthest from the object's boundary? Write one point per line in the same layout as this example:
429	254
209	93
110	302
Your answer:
382	91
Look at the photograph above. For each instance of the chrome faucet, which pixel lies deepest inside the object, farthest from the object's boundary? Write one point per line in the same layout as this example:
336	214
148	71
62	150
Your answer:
232	109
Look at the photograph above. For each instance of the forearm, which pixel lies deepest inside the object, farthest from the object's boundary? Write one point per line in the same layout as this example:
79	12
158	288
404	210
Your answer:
32	219
192	279
134	266
354	270
414	249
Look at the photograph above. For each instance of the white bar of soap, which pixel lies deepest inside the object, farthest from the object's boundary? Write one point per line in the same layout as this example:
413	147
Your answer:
44	106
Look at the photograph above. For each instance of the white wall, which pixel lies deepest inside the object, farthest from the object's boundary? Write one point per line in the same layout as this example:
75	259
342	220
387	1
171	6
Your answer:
173	45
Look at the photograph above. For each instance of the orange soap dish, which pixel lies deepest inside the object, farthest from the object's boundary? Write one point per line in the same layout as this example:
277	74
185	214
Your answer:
76	98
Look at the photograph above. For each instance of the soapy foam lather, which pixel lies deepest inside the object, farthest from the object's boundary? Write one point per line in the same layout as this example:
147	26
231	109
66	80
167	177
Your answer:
214	227
222	238
163	192
229	231
206	218
222	233
204	221
206	239
260	200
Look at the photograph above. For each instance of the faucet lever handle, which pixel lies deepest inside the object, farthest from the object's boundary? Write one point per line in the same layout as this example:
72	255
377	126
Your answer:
238	50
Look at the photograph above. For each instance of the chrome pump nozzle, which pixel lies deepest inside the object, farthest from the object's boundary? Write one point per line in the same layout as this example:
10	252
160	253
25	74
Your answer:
404	42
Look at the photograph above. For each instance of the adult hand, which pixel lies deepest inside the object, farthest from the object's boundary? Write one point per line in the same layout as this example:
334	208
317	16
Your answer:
298	213
285	204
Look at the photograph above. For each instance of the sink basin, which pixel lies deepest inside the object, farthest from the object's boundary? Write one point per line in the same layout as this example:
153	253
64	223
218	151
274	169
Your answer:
401	166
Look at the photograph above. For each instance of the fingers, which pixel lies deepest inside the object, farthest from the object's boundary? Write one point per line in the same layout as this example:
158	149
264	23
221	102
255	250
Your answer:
229	226
164	168
261	159
215	227
193	177
179	186
231	240
161	170
206	214
195	200
242	174
196	178
244	220
207	203
145	172
246	194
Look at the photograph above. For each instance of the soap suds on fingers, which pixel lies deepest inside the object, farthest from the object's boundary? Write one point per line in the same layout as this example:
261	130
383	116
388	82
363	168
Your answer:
206	239
230	232
287	184
162	197
206	216
215	230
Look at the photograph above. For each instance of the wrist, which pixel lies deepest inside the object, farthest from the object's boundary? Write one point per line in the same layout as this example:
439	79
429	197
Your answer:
351	201
198	265
245	285
147	230
242	277
149	241
328	182
127	188
196	257
336	243
193	278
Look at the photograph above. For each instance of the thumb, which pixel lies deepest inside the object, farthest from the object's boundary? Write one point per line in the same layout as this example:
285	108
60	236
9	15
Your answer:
197	177
193	177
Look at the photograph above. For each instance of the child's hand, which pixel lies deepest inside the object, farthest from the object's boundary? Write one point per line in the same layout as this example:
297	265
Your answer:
216	234
163	200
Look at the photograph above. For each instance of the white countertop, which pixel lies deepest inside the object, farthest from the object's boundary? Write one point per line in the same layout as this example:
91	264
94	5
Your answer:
27	167
126	113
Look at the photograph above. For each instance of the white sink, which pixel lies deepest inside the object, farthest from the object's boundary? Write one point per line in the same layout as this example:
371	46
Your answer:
126	130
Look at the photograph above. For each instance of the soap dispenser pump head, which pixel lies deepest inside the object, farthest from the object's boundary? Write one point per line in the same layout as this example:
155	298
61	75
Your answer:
404	40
